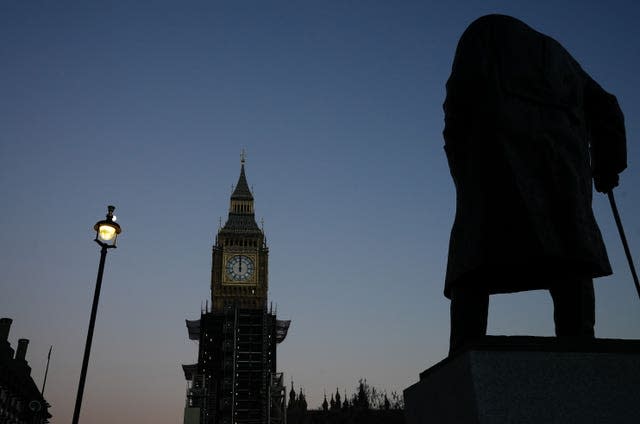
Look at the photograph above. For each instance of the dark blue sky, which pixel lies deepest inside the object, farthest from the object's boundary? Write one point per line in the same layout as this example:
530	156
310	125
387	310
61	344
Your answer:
146	105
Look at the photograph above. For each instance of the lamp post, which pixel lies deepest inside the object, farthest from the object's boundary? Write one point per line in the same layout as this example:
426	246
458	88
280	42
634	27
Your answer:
106	234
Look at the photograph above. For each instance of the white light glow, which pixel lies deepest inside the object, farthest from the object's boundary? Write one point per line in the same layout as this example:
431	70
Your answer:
106	232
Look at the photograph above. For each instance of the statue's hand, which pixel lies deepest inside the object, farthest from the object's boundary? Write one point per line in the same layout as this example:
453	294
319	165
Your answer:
605	182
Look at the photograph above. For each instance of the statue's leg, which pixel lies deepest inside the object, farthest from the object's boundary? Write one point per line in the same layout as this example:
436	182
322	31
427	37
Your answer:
574	307
469	310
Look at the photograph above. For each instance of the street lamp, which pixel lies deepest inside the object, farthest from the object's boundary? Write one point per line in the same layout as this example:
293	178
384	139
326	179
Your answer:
106	234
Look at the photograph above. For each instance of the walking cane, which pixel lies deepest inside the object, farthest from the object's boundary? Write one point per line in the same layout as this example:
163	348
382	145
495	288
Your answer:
616	216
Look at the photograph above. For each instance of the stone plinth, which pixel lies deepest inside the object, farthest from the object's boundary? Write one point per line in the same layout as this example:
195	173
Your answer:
531	380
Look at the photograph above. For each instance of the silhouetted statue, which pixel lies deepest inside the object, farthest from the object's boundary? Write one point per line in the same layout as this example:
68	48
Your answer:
526	129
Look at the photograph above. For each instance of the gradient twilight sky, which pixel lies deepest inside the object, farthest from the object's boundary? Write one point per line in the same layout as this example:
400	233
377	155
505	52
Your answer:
147	104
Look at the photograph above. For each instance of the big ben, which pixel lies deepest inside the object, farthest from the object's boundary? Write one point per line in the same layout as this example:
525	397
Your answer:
235	379
240	256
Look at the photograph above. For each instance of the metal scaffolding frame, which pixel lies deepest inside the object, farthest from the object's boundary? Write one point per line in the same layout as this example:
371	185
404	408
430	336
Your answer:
235	379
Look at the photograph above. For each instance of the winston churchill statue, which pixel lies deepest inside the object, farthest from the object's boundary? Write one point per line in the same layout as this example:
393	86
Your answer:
526	132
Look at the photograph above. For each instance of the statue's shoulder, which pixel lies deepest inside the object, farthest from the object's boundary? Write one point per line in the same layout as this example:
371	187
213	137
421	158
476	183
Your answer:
494	29
497	21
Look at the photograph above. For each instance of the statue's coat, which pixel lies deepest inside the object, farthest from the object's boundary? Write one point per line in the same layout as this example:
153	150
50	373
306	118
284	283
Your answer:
525	130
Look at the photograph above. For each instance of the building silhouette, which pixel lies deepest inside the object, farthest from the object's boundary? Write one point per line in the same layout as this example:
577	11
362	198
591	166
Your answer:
367	406
235	379
20	399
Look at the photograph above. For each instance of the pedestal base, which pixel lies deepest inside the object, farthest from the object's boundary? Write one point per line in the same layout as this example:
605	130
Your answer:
531	380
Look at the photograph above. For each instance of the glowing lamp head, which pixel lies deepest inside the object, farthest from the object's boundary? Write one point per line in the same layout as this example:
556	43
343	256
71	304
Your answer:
107	230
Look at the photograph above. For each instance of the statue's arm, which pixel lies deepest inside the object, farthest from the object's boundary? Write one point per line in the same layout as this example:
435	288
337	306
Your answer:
607	133
467	87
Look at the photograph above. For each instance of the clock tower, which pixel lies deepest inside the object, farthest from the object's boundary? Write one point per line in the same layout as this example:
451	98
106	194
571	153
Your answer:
235	380
240	255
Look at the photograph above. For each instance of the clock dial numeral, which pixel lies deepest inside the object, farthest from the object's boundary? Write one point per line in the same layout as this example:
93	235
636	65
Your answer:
240	268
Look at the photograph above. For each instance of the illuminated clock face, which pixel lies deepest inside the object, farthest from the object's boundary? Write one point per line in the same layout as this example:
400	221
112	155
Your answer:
240	268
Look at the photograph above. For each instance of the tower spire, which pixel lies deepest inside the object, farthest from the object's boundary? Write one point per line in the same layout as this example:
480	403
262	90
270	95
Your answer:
242	191
241	206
